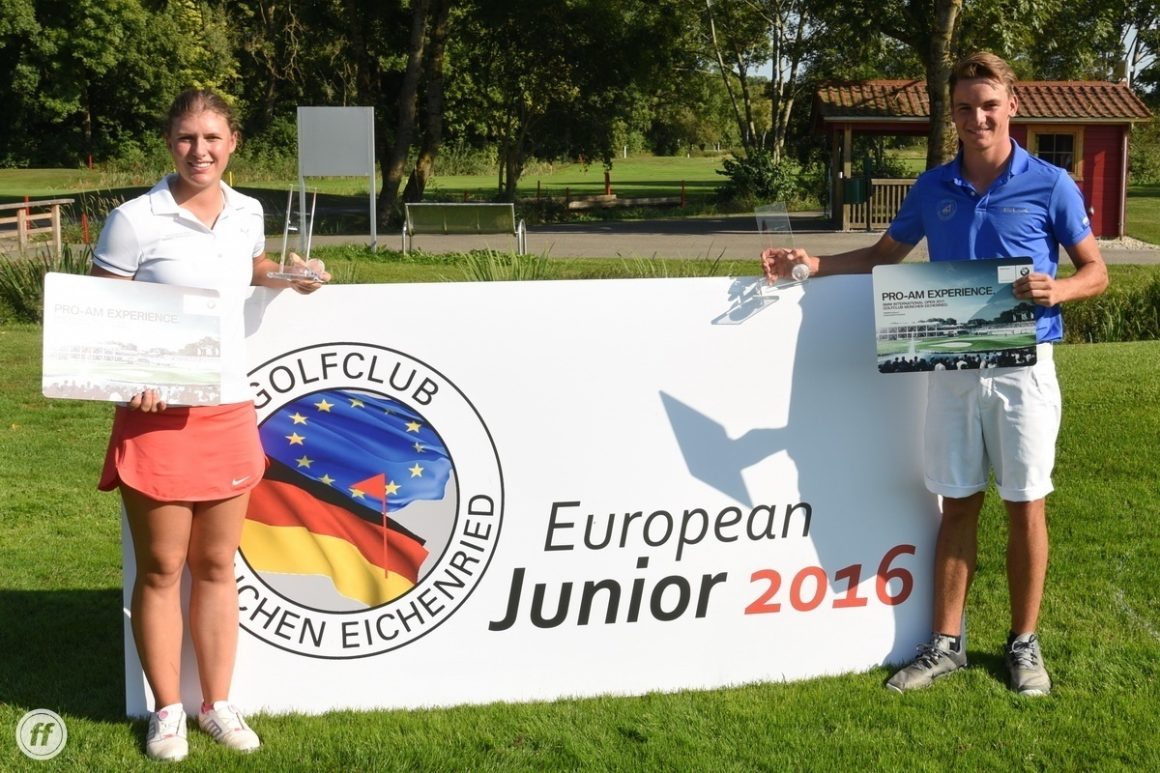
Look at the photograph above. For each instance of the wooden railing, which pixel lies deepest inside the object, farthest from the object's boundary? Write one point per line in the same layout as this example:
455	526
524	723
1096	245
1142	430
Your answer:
32	219
886	197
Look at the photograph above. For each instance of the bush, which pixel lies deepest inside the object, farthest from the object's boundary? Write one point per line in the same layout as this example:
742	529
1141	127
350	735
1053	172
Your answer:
1119	315
756	179
459	158
22	279
1144	154
271	155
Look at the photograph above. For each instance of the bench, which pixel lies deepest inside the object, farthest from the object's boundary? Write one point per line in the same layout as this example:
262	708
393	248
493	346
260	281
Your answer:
469	218
32	218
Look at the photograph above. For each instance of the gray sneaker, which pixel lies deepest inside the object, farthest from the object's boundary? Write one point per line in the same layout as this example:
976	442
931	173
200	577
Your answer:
934	660
1025	668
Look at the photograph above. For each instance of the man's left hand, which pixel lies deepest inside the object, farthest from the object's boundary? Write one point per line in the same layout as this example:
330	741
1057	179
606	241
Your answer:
1040	289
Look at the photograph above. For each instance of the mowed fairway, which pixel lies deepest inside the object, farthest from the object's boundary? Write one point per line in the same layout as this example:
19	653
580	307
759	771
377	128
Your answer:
957	344
632	177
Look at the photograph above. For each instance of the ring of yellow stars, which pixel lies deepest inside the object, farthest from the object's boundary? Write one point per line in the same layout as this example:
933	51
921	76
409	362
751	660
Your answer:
296	439
324	406
327	480
419	447
298	418
357	403
304	461
413	426
393	488
416	471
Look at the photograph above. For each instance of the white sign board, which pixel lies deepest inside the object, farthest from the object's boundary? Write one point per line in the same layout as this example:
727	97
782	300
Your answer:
602	487
336	141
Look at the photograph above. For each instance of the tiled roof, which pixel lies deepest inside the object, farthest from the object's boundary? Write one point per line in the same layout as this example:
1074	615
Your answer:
1038	100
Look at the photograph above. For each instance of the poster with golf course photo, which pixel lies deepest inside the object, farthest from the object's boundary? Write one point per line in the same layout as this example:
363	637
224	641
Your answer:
108	339
952	315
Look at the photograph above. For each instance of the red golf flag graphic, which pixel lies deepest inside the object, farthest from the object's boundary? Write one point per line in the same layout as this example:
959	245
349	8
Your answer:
376	486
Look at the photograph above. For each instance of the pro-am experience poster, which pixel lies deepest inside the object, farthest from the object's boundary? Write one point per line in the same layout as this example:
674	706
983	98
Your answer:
107	339
952	315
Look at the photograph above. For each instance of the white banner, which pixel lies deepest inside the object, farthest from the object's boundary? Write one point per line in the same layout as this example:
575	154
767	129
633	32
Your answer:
617	487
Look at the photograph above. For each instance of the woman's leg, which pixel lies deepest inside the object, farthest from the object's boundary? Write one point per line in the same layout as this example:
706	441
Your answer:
213	602
161	533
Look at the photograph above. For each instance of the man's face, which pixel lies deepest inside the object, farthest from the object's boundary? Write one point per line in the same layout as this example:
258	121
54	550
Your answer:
982	114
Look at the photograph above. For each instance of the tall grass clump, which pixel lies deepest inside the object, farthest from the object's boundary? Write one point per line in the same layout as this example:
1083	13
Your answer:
22	279
460	158
1130	313
492	266
657	268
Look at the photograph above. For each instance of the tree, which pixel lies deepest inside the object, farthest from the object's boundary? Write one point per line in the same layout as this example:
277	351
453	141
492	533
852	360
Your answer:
556	80
432	127
407	106
88	77
929	28
734	34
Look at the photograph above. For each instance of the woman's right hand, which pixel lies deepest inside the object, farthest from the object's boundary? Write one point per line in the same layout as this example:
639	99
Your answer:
148	401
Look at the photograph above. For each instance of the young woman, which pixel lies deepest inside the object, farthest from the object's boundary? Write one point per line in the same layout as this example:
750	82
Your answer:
185	473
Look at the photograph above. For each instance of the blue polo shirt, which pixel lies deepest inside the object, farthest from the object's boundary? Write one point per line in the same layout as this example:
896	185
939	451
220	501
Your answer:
1030	210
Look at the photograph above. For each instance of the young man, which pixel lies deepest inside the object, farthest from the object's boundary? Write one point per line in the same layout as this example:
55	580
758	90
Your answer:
993	200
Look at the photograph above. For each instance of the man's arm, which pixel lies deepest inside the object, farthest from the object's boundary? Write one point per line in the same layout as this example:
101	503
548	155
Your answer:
1089	280
778	263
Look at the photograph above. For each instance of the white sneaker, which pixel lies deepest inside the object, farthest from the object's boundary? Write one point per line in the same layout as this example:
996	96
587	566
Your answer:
225	724
166	737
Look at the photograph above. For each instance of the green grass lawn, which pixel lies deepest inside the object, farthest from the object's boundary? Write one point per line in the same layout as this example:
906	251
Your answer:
61	643
631	177
1144	213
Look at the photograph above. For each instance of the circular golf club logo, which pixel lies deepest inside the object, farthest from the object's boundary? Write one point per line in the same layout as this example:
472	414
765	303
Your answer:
41	734
380	508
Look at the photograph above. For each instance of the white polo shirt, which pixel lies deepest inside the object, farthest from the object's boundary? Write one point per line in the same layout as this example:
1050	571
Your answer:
152	239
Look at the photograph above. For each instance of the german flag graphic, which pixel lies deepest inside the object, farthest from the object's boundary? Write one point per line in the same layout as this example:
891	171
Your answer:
341	462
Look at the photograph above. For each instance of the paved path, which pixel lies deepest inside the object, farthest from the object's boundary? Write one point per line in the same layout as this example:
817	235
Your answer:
730	237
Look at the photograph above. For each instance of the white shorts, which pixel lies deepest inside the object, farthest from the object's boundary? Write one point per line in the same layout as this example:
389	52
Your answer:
1006	419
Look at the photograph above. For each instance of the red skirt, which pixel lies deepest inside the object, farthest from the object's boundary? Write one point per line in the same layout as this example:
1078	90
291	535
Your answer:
195	454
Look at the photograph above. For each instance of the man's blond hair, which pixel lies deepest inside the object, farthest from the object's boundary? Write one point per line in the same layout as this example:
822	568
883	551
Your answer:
983	65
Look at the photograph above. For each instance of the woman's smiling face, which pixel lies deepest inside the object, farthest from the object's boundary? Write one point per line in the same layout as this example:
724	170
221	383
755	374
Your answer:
201	144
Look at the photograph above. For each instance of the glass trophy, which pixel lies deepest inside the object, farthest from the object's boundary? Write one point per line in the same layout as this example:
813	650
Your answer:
309	268
773	225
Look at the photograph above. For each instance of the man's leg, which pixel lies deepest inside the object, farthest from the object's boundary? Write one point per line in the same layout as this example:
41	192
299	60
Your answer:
1027	550
955	556
1026	562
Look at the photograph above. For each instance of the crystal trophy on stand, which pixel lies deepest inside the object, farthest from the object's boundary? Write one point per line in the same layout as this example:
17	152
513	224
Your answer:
773	225
310	269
